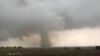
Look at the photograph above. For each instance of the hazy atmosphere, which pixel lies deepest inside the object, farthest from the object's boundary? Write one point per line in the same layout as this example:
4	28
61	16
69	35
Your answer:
65	22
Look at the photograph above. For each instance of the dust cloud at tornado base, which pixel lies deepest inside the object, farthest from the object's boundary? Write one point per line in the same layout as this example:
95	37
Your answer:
75	37
20	17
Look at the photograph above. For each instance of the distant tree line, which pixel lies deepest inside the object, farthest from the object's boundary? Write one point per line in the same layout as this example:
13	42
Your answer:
11	47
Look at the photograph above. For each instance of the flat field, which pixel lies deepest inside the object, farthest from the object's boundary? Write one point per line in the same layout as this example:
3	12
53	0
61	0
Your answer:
48	52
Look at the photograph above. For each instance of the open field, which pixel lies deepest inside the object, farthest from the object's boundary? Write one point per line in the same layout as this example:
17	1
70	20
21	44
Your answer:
48	52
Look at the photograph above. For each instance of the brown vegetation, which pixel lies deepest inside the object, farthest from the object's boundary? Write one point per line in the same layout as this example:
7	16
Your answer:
48	52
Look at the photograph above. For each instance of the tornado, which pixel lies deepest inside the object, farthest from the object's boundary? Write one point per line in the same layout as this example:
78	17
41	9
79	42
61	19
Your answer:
19	18
45	41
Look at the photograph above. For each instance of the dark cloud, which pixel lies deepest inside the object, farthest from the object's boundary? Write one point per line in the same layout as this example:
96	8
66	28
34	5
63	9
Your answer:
17	17
79	13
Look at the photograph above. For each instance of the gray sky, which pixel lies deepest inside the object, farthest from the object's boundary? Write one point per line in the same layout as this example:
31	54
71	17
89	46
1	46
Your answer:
18	17
79	13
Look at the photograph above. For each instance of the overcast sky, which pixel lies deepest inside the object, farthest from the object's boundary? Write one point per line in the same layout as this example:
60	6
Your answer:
18	17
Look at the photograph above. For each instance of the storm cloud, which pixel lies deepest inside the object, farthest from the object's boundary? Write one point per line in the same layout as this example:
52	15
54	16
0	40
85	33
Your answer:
79	13
20	17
